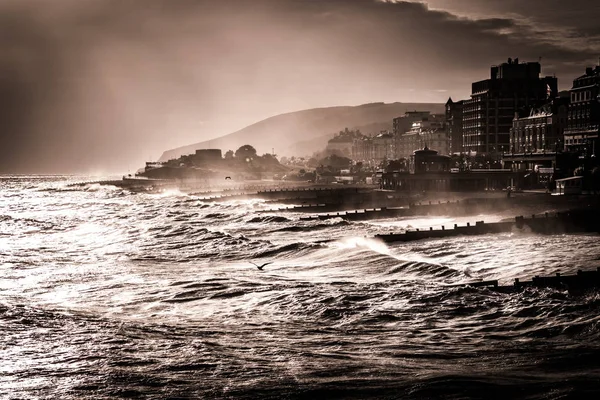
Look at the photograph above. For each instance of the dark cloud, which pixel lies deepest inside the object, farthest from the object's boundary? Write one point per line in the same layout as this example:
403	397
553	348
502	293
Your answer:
102	85
562	19
494	24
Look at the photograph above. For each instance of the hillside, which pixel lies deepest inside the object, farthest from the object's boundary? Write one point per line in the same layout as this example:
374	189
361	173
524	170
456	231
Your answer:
306	147
304	132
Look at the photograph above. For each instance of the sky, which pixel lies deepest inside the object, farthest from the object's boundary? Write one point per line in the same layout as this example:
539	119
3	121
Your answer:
100	86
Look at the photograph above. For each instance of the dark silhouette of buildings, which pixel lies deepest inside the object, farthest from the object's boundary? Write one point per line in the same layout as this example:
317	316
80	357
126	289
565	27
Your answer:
454	122
540	129
207	156
583	122
488	114
430	171
427	160
537	139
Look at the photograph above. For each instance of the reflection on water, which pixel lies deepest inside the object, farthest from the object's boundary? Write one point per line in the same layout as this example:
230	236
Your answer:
104	293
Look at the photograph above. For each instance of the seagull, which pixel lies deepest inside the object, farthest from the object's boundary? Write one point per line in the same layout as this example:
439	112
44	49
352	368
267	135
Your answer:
260	267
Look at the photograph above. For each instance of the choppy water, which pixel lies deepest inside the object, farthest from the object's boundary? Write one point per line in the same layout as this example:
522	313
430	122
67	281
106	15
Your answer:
106	294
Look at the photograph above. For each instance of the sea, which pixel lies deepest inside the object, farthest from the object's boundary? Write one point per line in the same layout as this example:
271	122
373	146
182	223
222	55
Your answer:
105	293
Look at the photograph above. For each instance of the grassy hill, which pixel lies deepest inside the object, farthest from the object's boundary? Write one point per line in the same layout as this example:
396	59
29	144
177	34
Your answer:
304	132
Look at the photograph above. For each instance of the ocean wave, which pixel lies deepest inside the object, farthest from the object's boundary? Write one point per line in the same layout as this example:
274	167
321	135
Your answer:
425	270
13	226
216	216
310	228
269	219
148	291
292	249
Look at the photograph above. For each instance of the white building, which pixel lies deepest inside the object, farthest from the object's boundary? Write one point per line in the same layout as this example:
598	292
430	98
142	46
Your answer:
427	133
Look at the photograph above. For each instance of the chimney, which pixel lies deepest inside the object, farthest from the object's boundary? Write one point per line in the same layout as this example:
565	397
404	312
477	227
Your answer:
589	71
509	60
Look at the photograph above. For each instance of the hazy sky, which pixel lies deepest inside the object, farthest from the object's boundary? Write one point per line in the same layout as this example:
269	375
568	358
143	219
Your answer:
102	85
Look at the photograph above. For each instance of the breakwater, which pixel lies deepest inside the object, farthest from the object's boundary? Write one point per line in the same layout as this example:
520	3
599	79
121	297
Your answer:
464	207
356	215
572	221
574	284
439	207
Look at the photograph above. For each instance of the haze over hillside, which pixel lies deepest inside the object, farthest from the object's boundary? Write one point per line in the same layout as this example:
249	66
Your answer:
304	132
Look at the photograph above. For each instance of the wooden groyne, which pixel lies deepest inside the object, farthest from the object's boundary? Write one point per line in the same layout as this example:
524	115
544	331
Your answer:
300	194
574	284
362	215
479	228
459	207
572	221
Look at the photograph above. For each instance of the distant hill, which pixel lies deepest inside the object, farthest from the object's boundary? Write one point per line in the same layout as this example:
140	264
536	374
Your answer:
307	147
304	132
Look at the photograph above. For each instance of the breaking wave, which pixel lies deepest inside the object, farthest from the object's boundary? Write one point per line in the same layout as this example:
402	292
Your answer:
149	292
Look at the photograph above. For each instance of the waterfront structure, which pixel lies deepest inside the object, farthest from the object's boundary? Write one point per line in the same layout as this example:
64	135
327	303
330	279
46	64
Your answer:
427	160
583	124
475	180
454	121
488	114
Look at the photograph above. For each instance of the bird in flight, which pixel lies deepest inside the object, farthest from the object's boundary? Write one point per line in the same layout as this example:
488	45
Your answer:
260	267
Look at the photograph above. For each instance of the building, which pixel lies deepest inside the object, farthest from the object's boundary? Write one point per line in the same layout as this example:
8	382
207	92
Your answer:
372	150
404	123
430	132
427	161
430	171
488	114
383	147
207	157
341	145
407	143
454	121
540	129
536	142
362	150
581	134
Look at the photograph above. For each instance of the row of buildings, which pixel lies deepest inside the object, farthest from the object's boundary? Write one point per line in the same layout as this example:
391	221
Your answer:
516	116
519	117
414	130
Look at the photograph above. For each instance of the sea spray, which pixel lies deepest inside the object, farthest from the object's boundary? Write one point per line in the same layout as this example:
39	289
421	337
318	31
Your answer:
123	295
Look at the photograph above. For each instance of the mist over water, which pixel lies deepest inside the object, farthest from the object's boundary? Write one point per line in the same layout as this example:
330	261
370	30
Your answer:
96	84
105	293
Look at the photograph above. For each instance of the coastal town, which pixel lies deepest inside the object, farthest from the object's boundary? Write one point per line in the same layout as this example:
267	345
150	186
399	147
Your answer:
516	132
296	199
